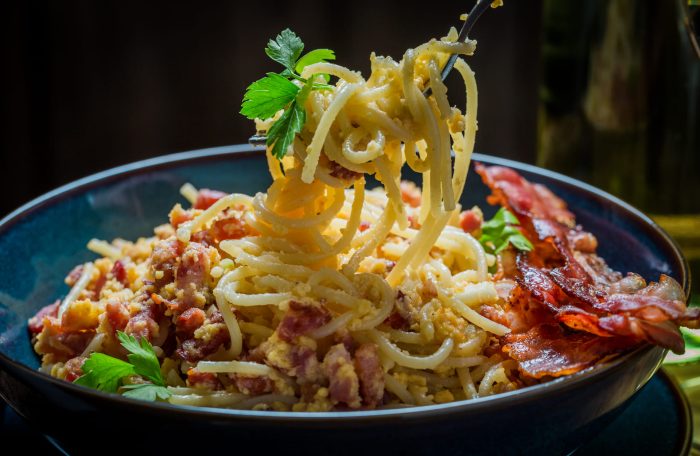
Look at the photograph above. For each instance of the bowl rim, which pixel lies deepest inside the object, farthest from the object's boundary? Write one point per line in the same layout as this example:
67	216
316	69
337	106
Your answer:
342	417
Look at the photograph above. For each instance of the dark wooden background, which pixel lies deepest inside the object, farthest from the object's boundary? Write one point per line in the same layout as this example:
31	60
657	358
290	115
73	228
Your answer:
88	85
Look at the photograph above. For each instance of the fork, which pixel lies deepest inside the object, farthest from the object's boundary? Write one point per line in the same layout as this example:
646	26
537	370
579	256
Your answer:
472	17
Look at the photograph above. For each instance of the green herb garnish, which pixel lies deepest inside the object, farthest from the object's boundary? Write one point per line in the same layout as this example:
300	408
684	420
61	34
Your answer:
106	373
502	230
266	96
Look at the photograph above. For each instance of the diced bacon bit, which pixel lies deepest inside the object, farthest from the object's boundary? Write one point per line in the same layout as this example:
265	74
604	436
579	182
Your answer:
65	345
229	228
410	194
340	172
193	350
165	259
178	215
293	360
257	355
36	323
143	324
364	226
403	307
302	317
161	301
253	385
74	368
194	266
396	321
370	373
206	198
188	322
119	273
192	273
216	317
344	385
74	275
413	222
117	315
343	336
96	288
305	365
308	391
470	220
205	380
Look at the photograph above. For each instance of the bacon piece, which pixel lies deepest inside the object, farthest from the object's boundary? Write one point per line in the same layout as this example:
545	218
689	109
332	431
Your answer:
117	315
293	359
206	198
188	322
343	336
344	386
370	373
195	349
63	344
580	290
549	350
74	368
74	275
302	317
143	323
165	259
178	216
410	194
253	385
470	220
364	226
206	380
230	227
340	172
193	267
191	273
119	273
141	326
36	323
396	321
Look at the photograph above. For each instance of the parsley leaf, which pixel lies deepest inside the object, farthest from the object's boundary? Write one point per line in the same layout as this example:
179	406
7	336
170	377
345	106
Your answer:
500	231
282	132
315	56
146	392
266	96
107	373
104	372
285	49
142	357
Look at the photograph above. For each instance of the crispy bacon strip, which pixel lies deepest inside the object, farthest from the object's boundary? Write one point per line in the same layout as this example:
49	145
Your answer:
564	275
549	350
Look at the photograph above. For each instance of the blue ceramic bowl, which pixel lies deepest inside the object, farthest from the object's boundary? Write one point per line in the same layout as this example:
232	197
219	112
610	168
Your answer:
43	240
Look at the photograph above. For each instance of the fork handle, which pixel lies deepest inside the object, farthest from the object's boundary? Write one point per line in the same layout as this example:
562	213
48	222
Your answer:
474	15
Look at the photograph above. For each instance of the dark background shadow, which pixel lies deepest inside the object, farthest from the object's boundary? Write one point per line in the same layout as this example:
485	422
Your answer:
88	85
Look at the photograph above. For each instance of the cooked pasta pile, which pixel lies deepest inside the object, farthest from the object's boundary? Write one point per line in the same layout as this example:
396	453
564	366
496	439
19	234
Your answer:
319	294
